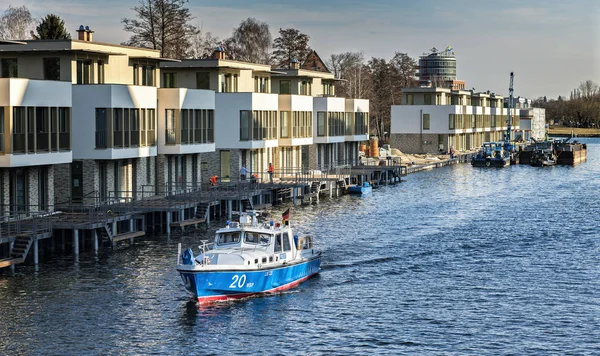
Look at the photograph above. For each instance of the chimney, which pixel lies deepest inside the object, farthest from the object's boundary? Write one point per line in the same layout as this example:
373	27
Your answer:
219	53
294	64
89	33
81	34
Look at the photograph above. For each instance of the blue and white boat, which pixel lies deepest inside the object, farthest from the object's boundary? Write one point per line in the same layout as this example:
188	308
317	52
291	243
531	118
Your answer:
248	258
365	188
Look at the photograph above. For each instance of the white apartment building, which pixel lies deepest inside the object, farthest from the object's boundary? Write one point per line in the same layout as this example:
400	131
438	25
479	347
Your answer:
433	120
338	124
115	95
533	123
35	133
245	112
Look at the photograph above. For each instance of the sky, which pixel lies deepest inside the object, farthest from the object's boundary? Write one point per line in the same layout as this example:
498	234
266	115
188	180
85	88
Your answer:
551	46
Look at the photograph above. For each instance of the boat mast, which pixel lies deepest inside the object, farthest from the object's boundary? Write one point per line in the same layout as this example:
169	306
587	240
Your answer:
509	116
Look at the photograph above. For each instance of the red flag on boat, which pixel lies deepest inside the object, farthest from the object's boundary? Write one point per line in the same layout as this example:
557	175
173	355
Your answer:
285	217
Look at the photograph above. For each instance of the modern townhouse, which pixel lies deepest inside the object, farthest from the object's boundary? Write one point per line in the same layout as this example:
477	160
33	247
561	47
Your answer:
35	130
338	124
245	111
116	114
433	120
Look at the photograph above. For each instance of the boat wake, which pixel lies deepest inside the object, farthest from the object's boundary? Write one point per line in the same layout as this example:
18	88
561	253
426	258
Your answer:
357	263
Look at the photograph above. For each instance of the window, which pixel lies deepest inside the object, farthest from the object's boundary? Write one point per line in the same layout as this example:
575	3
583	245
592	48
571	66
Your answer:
64	128
451	121
202	80
305	87
136	74
245	125
426	122
10	69
320	123
229	238
493	121
286	242
51	68
148	75
83	71
285	87
118	127
169	80
427	99
19	124
100	72
1	129
409	99
100	128
170	126
284	123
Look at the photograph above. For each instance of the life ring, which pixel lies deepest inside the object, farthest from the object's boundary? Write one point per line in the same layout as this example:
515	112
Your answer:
300	243
487	163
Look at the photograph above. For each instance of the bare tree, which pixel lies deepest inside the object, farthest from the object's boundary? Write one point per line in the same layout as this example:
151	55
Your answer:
250	42
202	44
349	66
588	89
162	25
291	44
406	68
16	24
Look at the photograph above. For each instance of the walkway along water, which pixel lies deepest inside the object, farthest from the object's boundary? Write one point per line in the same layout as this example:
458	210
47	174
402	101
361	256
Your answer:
91	223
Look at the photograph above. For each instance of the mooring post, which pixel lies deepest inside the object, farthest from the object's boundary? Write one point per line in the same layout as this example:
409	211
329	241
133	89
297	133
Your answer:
229	208
95	232
76	242
35	251
294	195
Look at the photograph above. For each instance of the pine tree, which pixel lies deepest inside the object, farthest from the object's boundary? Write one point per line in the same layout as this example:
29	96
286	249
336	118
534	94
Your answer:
52	27
291	44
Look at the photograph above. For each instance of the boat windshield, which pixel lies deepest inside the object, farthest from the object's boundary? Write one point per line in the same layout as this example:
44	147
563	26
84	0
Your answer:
257	238
226	238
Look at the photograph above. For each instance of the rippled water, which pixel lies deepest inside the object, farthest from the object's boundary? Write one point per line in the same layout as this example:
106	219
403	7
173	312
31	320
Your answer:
455	260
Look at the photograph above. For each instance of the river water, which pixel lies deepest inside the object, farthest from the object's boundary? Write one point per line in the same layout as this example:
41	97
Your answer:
455	260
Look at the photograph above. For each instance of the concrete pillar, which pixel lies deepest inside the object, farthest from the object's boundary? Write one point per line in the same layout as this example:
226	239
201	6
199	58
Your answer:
10	246
131	224
62	242
182	217
229	207
294	193
35	251
168	226
95	237
207	216
76	242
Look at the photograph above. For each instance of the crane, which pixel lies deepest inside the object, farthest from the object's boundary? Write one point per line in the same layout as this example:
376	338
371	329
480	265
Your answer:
507	135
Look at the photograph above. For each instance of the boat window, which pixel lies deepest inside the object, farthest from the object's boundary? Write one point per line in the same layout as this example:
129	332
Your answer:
257	238
278	243
256	261
264	260
229	238
270	258
286	242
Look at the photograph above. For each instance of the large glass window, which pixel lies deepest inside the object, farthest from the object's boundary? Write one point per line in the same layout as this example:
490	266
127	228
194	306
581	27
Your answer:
170	80
284	123
1	129
148	75
202	80
10	68
83	71
285	87
451	121
51	68
321	123
100	128
426	123
245	125
170	126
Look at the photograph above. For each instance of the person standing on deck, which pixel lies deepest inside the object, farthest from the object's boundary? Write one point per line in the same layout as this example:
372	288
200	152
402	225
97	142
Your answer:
271	170
243	172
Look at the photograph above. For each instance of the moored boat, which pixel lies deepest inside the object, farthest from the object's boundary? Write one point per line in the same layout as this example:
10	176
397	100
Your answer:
248	258
491	154
365	188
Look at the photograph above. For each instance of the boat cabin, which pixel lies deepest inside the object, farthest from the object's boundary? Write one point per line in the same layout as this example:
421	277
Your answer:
250	243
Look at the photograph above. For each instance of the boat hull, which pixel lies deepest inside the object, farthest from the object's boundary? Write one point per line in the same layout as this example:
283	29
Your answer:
360	190
495	162
214	286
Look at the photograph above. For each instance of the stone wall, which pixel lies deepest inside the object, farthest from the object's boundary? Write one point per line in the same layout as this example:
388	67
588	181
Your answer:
32	186
312	156
417	143
51	172
62	182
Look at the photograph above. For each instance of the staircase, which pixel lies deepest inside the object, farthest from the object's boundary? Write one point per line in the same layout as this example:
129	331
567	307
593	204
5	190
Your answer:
21	247
105	235
247	205
202	211
315	188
